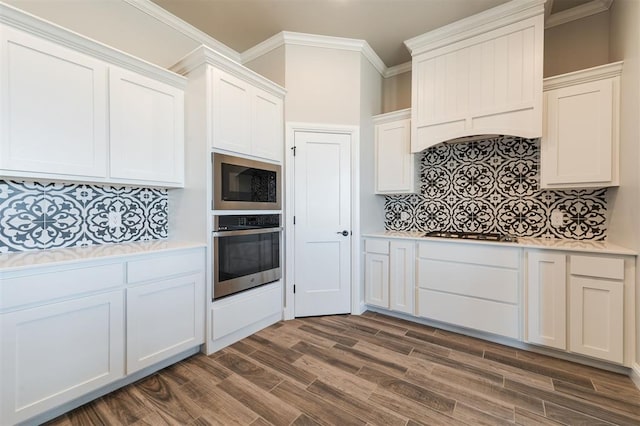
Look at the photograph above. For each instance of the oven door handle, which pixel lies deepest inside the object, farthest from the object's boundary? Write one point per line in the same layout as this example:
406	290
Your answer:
246	232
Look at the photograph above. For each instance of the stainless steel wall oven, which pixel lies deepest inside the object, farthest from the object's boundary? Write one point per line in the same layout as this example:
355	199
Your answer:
246	252
243	184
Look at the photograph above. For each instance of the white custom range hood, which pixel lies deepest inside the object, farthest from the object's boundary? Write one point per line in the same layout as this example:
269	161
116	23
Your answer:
479	77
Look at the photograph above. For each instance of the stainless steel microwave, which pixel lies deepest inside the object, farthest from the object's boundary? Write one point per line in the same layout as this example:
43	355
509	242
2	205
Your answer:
244	184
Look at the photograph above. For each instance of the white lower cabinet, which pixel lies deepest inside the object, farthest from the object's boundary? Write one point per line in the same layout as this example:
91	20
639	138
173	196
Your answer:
580	309
152	334
390	274
546	300
54	353
472	286
67	330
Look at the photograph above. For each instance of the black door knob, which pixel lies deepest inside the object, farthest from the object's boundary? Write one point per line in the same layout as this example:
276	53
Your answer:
345	233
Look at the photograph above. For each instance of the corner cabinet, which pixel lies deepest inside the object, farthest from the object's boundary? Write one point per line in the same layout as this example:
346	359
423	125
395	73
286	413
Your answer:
580	145
480	75
395	165
75	110
390	274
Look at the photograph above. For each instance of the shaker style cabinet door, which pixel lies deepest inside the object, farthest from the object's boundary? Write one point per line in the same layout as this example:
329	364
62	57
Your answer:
376	278
546	299
402	272
53	110
55	353
231	100
267	126
394	161
146	129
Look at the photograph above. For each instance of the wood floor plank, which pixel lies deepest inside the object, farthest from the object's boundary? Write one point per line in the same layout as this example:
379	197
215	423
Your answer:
372	369
250	371
463	394
527	418
570	417
336	377
474	416
425	396
361	409
275	410
328	356
578	405
315	407
545	370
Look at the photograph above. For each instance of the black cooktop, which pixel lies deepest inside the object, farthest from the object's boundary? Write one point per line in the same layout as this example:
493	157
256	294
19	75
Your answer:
484	236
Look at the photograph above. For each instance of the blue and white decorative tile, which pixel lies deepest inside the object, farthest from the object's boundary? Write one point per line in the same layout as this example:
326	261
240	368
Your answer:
156	222
64	219
22	217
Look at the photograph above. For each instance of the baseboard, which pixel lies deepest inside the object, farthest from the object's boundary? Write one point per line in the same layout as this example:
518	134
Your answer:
229	339
635	374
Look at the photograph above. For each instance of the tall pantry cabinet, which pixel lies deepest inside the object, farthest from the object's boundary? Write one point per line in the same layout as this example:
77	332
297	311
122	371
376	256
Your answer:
232	110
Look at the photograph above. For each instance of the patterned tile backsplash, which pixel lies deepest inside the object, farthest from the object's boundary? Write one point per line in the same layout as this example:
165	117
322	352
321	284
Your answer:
44	216
493	186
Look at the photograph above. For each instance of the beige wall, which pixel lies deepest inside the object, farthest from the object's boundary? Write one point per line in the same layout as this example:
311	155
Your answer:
117	24
371	206
624	202
270	65
576	45
396	93
323	85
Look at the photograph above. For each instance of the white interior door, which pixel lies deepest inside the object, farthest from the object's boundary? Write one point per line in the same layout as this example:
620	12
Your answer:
322	209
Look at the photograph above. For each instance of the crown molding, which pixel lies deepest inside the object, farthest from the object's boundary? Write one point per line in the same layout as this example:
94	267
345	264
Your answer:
31	24
583	76
167	18
401	114
314	40
578	12
483	22
204	55
397	69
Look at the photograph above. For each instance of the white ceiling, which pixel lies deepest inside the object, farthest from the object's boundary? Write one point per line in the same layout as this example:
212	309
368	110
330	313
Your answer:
384	24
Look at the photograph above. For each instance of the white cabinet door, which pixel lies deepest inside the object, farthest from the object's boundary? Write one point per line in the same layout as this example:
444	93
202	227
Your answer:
394	161
376	278
231	109
146	129
164	318
402	266
597	313
53	109
55	353
267	126
580	141
546	299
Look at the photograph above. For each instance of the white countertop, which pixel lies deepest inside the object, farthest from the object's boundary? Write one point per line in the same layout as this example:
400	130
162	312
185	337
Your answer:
21	260
603	247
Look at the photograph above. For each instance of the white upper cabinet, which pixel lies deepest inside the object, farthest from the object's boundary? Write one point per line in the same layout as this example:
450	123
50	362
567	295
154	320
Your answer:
53	110
74	109
480	75
246	119
146	128
580	145
395	169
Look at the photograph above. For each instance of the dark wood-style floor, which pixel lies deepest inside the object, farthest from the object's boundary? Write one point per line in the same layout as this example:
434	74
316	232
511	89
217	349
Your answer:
372	369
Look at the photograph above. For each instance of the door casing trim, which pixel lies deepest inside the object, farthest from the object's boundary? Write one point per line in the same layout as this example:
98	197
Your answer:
289	262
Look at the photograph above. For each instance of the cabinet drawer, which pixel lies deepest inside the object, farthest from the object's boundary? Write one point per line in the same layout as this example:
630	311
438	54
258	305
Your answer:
601	267
57	284
162	267
376	246
478	314
502	257
472	280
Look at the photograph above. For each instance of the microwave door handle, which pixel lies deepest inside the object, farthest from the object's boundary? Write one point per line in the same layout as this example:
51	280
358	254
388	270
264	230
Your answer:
246	232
